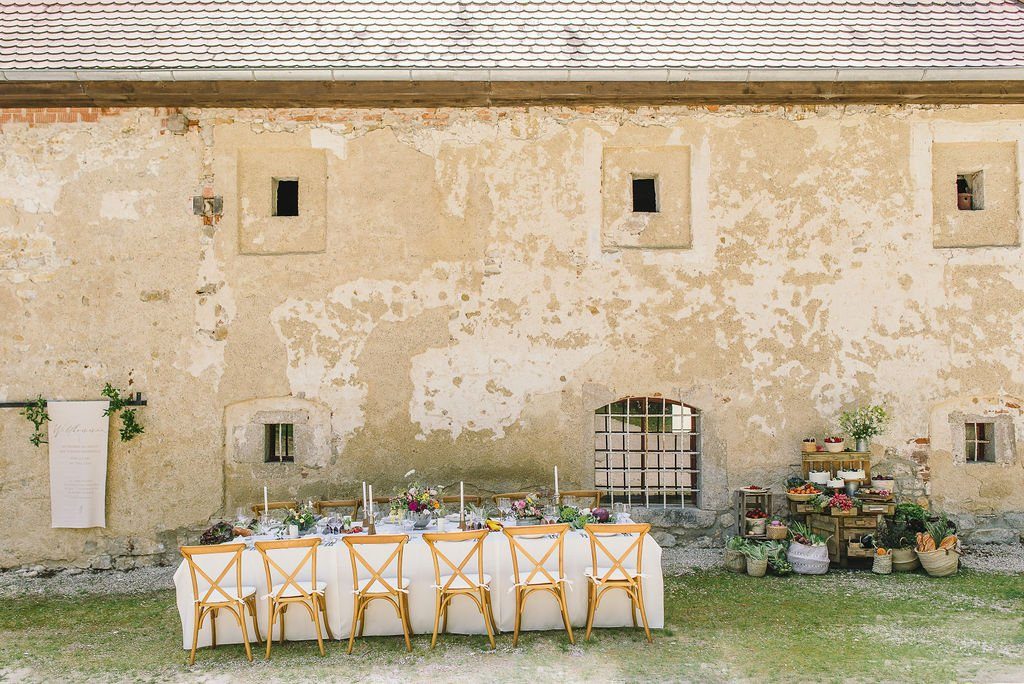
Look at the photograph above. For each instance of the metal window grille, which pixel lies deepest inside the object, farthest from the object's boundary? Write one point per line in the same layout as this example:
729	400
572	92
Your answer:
647	451
280	443
980	445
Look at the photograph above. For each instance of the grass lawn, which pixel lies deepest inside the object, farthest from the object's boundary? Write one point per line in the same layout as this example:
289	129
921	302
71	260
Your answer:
845	626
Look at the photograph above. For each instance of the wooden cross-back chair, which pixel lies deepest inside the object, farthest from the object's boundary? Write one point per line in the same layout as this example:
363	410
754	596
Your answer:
514	496
592	494
378	586
290	590
470	499
454	580
351	506
615	570
534	576
210	596
272	506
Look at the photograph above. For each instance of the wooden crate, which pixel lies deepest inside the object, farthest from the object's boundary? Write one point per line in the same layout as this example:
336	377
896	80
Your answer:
841	530
857	550
748	501
876	508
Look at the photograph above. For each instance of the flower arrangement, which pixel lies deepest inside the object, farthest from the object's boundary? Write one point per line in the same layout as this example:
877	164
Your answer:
526	508
418	499
842	502
302	518
864	422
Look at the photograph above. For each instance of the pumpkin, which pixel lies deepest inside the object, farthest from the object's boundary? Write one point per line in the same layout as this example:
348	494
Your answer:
881	552
949	542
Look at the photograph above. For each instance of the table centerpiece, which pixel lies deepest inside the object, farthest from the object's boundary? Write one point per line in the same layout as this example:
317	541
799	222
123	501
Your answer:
421	504
527	511
302	520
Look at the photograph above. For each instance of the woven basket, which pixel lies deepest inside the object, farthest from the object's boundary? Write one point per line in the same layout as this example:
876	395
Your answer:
757	568
904	560
777	531
735	561
882	565
808	560
940	562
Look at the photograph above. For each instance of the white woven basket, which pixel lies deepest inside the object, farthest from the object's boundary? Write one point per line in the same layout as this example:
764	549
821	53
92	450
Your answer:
808	560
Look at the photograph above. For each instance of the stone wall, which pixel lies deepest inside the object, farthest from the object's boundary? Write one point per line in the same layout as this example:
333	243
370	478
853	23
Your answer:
466	288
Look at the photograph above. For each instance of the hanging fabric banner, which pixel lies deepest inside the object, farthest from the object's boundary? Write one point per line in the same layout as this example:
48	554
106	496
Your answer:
78	463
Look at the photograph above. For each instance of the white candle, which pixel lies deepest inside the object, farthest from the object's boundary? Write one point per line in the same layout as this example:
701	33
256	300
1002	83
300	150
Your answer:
462	497
266	505
366	507
556	484
369	499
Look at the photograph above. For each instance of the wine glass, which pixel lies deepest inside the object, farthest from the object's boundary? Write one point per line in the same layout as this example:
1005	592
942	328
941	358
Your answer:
622	512
504	507
551	514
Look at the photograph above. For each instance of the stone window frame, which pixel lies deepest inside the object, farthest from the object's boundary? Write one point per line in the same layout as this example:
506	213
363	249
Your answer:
245	429
1004	441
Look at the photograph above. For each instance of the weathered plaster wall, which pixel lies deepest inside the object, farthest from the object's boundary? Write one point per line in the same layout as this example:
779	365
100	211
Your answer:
462	316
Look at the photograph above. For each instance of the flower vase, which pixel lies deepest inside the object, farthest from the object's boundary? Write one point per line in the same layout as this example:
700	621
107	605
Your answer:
420	520
862	444
293	531
525	522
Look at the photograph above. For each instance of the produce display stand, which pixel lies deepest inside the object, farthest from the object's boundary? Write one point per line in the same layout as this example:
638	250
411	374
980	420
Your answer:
834	462
747	501
843	532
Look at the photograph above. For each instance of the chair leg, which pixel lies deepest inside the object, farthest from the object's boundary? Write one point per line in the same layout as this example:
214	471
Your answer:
591	589
250	605
405	623
240	616
490	610
362	618
519	616
437	616
485	611
213	628
315	613
355	618
322	603
408	613
446	604
270	627
195	634
643	612
280	620
565	614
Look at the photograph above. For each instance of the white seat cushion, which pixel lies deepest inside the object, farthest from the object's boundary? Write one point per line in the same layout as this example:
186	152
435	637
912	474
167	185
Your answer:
292	592
375	587
460	583
602	574
539	578
217	597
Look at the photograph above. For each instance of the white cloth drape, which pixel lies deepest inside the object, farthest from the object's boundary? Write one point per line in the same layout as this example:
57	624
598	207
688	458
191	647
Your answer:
78	463
334	567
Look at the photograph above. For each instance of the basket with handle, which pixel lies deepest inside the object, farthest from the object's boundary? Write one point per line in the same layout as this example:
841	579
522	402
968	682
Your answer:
735	561
940	562
882	565
777	531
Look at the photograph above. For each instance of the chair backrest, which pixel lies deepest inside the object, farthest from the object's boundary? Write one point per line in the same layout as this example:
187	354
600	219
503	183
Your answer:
217	560
617	563
511	495
352	504
592	494
377	572
457	542
473	499
279	559
544	541
273	506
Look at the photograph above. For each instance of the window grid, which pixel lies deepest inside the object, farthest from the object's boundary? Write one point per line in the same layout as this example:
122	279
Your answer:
280	443
647	450
980	447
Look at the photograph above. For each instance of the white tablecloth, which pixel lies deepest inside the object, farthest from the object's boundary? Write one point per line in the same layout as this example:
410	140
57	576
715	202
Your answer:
334	567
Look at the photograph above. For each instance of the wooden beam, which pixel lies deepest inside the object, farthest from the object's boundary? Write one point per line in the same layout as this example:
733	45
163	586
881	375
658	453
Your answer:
495	93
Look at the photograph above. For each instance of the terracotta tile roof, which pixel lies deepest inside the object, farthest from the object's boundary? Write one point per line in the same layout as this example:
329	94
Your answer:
487	34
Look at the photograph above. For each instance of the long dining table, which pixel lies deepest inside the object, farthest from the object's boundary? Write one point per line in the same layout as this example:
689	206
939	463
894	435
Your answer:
334	567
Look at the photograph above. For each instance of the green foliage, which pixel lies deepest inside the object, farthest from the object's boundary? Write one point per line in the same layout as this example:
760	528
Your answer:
912	515
735	543
217	533
864	422
940	529
37	415
894	534
755	551
130	427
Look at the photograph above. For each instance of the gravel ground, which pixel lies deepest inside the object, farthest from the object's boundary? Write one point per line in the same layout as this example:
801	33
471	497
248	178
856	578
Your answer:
679	560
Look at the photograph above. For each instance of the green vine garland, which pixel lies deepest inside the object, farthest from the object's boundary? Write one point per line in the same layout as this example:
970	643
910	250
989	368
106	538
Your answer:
130	427
37	415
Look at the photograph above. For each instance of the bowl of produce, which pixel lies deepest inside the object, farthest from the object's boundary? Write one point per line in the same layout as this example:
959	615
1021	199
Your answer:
804	492
834	445
809	445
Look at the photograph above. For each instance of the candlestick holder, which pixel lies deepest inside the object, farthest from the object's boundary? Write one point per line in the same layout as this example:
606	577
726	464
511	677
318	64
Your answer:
371	529
462	521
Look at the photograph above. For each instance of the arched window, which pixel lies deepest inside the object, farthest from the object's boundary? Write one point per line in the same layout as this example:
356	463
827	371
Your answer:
647	451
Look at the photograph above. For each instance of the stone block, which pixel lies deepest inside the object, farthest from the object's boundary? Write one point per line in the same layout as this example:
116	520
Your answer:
684	518
102	562
993	535
664	539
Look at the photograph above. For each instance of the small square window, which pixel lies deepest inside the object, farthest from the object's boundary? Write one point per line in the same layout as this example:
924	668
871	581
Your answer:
645	195
980	444
280	443
286	197
970	191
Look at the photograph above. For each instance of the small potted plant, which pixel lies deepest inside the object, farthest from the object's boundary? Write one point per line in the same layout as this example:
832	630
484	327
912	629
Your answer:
757	559
833	444
809	445
864	423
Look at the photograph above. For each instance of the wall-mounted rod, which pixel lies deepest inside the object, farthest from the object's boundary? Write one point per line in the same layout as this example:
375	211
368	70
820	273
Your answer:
137	401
